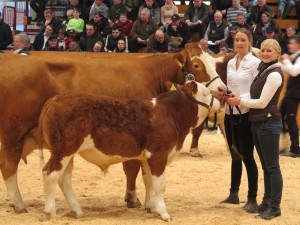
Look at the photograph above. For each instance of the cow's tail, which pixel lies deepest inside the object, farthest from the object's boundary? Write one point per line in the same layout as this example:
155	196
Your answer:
40	129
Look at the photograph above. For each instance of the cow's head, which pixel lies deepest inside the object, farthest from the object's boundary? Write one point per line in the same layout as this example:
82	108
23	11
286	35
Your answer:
194	61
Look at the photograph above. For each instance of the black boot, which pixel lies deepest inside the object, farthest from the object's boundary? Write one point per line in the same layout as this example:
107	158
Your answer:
233	198
250	204
270	213
259	209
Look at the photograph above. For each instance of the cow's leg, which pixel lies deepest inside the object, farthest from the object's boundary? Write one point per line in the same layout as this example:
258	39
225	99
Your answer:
147	178
50	179
194	146
131	169
65	184
9	161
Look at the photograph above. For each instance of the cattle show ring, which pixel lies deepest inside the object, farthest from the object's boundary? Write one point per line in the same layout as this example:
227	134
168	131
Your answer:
194	186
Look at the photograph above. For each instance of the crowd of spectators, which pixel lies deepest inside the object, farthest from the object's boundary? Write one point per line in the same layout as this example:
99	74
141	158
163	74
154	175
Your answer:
136	21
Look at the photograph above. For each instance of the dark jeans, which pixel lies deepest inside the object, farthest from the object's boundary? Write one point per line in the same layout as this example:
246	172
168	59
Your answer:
244	142
266	140
40	8
288	109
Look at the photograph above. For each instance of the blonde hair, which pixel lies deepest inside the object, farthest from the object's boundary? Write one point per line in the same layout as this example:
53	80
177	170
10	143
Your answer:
271	42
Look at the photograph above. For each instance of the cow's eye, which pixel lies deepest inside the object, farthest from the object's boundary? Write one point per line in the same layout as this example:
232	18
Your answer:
196	66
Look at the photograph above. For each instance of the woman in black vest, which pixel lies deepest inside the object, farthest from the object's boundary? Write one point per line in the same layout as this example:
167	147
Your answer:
266	124
290	102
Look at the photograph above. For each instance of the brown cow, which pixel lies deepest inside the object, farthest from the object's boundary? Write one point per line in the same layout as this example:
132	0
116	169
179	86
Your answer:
27	82
120	130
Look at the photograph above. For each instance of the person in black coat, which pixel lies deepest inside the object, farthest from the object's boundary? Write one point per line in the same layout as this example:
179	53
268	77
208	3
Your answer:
178	30
5	34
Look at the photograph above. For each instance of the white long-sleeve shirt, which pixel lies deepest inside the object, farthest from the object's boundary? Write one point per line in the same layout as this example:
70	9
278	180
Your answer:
240	79
290	68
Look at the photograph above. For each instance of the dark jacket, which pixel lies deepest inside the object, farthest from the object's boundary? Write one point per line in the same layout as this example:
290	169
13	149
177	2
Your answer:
255	16
103	28
143	30
155	46
38	42
221	4
55	23
260	31
5	35
284	44
202	13
293	84
182	31
87	43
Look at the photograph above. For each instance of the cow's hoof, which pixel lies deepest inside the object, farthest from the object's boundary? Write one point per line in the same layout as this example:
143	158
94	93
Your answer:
148	210
75	214
195	153
19	209
133	204
165	217
49	215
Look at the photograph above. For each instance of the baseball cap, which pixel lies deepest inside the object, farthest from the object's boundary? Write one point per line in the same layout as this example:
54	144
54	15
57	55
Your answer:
270	30
175	17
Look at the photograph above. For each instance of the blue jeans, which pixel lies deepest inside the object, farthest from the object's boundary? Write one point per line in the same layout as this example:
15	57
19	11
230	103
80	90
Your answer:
286	6
266	140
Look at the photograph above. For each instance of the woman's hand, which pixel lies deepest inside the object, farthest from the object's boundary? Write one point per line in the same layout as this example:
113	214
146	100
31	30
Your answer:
233	99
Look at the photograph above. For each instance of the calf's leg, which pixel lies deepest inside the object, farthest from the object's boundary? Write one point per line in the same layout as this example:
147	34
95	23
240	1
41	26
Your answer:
147	178
65	184
194	146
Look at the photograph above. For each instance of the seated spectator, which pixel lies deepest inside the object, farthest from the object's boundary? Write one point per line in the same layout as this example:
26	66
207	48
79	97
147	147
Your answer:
195	16
38	6
248	5
260	30
178	30
41	39
173	47
204	46
241	22
158	42
49	19
132	7
290	32
298	13
124	24
72	5
74	47
166	13
90	37
99	6
98	47
115	11
268	34
6	37
112	40
76	24
233	11
219	5
224	48
285	7
230	38
121	47
70	16
255	16
141	30
101	24
21	44
153	8
63	40
52	44
217	32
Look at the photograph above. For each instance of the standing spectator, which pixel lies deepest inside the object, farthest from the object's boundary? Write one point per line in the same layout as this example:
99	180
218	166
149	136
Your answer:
49	19
112	40
141	30
52	44
5	34
178	30
257	11
98	47
217	32
121	47
204	46
124	24
266	124
153	8
101	24
248	5
88	40
76	24
115	11
195	16
132	7
285	7
41	39
290	103
266	21
38	6
289	33
99	6
21	44
241	71
233	11
166	13
158	42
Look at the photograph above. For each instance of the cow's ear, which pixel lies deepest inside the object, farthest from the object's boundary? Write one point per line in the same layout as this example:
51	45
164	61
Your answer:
192	88
171	86
180	59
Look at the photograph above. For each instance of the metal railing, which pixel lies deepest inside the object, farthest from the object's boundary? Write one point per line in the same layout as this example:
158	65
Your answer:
9	16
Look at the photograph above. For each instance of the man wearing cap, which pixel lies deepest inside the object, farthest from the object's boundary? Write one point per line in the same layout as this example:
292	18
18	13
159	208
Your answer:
269	34
5	34
178	31
195	16
52	44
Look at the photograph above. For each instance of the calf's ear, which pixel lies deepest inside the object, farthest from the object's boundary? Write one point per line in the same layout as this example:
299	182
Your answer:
171	86
192	88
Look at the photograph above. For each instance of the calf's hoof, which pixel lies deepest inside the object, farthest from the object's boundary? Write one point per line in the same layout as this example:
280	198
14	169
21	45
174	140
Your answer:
75	214
49	215
195	153
165	217
131	203
18	209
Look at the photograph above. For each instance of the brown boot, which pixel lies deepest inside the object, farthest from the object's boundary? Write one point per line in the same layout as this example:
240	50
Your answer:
233	198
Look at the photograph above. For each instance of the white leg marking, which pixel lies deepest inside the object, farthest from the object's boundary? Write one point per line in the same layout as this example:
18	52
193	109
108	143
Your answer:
50	184
65	184
147	177
14	195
